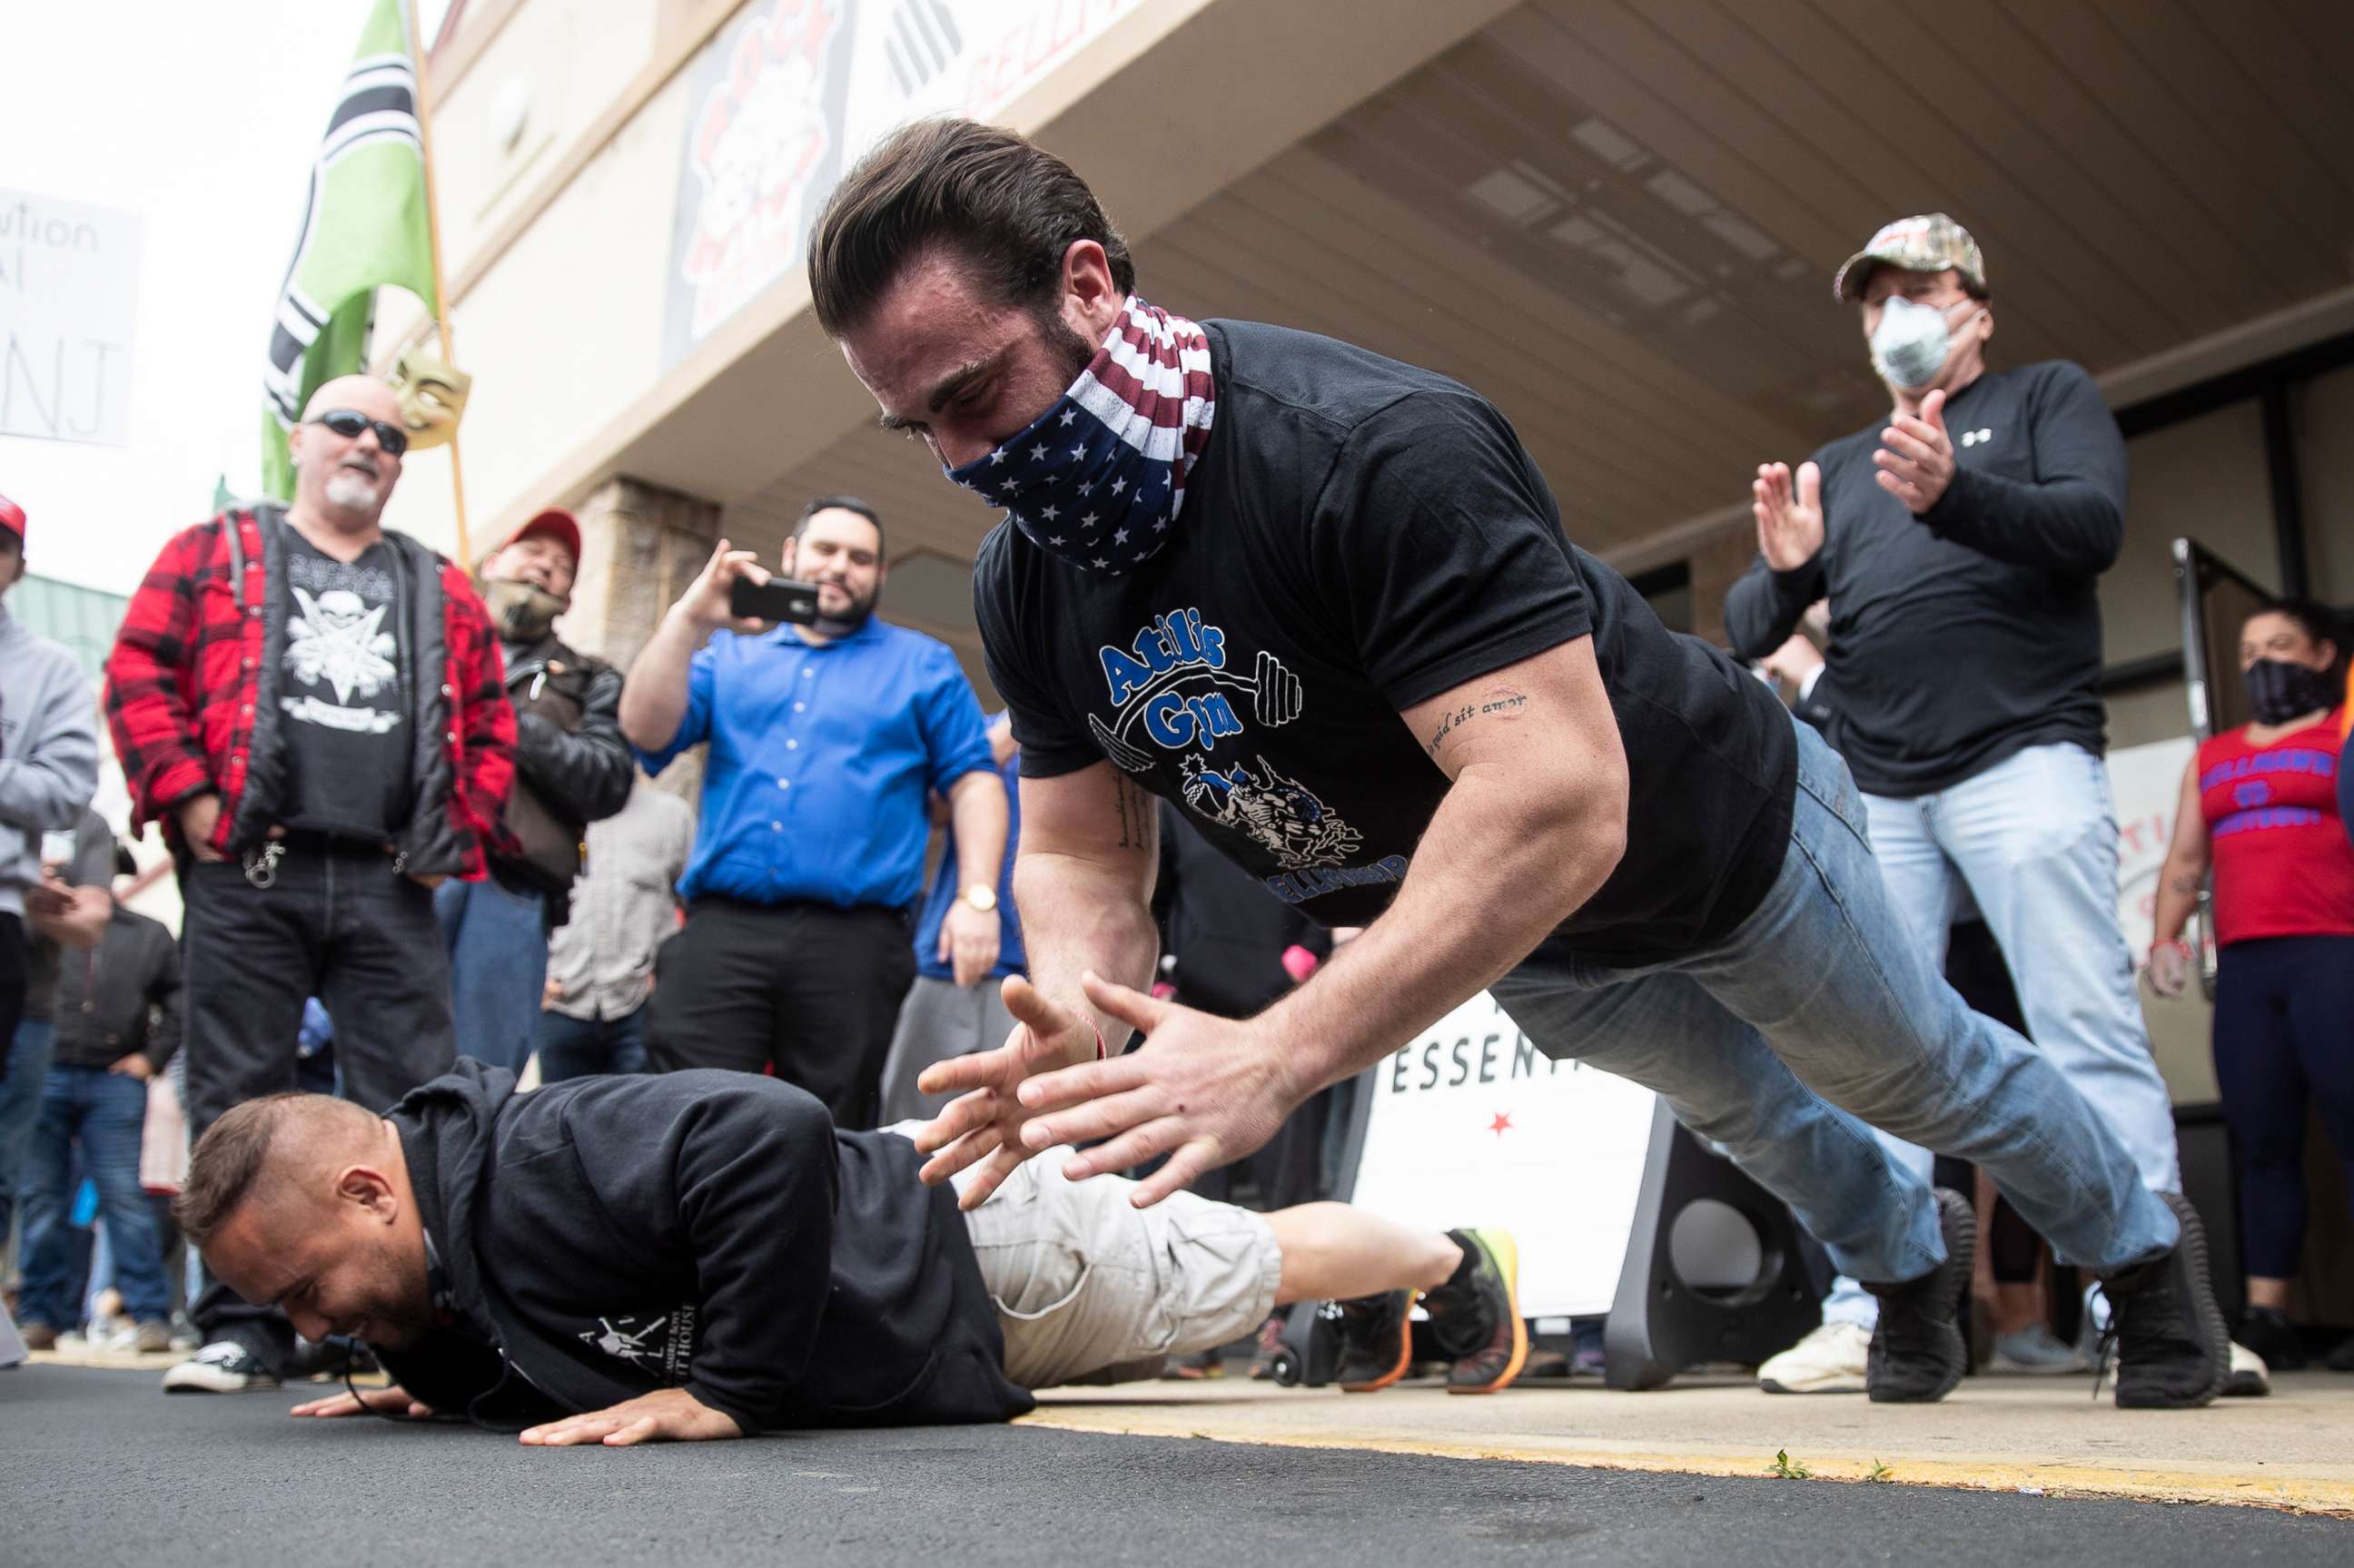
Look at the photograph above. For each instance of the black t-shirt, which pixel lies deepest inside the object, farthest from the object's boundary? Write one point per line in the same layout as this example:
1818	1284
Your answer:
1358	536
343	693
1964	636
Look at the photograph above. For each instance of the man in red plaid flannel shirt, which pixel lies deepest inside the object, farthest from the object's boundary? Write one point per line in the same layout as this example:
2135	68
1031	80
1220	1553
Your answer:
313	708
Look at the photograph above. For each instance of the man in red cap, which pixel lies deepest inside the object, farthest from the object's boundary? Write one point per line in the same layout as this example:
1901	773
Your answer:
572	768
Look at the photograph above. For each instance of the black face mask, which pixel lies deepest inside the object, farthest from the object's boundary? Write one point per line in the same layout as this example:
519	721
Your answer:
2279	690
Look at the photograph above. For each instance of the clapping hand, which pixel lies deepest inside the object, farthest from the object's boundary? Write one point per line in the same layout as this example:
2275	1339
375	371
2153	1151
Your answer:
1916	457
1789	519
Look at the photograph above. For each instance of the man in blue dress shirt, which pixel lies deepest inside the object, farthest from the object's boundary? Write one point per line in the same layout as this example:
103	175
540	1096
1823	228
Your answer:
824	741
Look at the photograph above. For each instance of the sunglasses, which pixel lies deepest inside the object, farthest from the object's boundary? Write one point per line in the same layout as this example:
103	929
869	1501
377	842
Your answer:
349	422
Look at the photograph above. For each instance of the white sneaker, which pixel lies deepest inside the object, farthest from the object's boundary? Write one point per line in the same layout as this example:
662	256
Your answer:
2249	1377
221	1367
2037	1351
1831	1360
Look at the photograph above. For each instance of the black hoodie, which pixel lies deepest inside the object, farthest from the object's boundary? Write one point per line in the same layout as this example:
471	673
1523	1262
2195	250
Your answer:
609	1236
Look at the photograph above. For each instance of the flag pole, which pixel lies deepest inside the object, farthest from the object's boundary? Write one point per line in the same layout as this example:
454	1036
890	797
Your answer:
433	236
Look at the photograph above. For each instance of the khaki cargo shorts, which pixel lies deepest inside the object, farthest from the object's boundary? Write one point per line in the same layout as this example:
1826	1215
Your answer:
1091	1289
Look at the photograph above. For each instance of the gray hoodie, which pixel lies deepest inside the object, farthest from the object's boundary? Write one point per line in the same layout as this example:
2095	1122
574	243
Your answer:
48	752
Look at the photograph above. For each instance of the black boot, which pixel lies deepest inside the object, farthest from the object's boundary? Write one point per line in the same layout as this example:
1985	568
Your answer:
1917	1351
2173	1349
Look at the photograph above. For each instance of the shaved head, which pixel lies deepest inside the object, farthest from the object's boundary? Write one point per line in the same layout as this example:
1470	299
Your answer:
365	393
303	1202
258	1151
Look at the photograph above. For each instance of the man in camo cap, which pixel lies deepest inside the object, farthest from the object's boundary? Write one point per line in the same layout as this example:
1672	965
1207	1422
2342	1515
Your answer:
1960	541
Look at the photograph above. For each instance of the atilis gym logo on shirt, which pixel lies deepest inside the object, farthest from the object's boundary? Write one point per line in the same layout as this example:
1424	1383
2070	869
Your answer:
1172	689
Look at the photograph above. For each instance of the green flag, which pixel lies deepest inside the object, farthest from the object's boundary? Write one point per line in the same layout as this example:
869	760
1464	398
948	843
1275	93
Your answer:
363	227
223	496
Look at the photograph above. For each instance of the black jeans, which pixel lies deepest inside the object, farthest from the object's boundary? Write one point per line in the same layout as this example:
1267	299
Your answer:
338	923
11	985
809	988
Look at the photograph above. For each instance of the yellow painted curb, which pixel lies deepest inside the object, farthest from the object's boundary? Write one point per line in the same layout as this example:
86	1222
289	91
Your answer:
2307	1495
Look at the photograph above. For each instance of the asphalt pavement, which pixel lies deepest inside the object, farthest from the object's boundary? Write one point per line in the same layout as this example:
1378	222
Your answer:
100	1467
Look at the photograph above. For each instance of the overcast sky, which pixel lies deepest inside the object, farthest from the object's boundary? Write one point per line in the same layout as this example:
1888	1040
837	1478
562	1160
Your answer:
202	119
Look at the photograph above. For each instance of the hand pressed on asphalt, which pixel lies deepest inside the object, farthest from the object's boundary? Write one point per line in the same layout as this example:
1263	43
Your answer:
1205	1091
671	1415
394	1399
985	1122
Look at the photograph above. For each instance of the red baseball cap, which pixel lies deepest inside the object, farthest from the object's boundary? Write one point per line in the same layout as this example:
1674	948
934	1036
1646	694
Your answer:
12	517
556	522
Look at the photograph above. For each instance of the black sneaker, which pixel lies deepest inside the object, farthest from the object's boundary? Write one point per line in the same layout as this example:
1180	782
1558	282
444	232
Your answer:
1475	1317
2267	1332
1376	1340
222	1367
1917	1351
2173	1349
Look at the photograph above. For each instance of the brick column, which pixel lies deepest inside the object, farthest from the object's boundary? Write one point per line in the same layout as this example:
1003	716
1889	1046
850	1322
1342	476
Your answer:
639	546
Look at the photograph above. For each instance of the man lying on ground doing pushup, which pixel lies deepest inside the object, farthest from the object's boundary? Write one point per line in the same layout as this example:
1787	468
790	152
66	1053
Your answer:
702	1254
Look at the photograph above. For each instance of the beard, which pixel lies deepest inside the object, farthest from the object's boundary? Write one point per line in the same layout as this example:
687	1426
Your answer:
355	491
1065	344
850	620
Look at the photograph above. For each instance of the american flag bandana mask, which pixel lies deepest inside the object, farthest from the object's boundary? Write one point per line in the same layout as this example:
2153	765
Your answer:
1099	478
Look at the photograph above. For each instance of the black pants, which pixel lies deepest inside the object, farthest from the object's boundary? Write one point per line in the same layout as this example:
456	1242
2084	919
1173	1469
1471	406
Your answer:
12	989
809	988
338	923
2284	1035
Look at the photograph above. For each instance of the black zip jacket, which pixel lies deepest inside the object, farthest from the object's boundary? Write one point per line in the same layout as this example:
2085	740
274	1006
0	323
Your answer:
121	996
572	766
603	1238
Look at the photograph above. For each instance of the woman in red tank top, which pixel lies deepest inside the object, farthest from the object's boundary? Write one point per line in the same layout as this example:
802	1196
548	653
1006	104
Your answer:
2259	806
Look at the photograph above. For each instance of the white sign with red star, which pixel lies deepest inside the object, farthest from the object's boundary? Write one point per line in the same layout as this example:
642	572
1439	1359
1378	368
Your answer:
1472	1126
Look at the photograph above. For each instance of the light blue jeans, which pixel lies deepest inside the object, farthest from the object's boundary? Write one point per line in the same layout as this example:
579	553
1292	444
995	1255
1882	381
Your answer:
498	966
1820	1013
2033	842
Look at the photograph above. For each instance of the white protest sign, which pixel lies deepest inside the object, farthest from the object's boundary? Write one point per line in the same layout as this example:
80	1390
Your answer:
1470	1126
69	305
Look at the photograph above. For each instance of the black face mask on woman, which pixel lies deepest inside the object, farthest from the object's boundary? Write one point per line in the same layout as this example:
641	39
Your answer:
2278	691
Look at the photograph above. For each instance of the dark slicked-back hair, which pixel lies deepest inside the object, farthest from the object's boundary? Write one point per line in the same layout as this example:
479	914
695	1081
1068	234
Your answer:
1008	209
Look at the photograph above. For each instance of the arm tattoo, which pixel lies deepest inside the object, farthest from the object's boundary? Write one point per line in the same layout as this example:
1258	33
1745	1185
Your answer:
1506	703
1137	818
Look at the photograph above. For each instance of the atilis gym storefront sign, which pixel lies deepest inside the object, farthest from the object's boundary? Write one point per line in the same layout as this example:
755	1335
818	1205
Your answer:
69	304
785	97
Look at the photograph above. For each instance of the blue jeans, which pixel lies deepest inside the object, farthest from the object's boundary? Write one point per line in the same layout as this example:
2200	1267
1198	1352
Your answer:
106	1113
2032	840
498	965
29	1053
577	1047
1819	1014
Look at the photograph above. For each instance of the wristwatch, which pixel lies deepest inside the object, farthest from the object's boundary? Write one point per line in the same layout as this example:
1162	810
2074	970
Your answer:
981	898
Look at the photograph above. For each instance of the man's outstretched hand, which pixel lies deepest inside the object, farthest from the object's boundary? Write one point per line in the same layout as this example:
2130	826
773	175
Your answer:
1205	1091
392	1401
672	1415
983	1124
